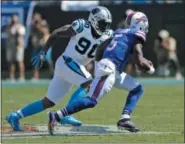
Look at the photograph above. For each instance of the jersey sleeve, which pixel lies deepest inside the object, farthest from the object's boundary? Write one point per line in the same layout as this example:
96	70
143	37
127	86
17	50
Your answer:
141	35
78	25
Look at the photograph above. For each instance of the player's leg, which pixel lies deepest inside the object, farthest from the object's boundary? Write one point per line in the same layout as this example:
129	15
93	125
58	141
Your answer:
80	92
20	60
135	89
78	75
10	57
12	71
175	63
56	90
101	84
99	88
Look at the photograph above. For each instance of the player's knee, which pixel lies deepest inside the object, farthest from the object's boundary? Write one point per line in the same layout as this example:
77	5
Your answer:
47	103
138	89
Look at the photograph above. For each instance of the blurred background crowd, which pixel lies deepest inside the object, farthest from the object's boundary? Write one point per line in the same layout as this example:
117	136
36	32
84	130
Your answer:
25	32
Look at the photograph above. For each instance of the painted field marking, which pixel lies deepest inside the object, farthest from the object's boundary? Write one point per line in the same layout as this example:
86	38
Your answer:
36	131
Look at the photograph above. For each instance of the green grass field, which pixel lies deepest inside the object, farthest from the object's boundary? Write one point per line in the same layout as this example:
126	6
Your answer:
160	109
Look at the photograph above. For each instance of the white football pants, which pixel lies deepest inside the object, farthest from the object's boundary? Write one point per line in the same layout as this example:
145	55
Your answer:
67	73
106	76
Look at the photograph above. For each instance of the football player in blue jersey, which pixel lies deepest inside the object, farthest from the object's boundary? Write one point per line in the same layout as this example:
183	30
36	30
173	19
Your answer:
112	56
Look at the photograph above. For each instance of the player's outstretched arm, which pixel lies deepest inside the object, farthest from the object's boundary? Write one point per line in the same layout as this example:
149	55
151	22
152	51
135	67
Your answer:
142	63
64	31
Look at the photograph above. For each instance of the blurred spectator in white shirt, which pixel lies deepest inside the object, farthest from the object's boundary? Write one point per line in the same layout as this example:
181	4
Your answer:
165	48
15	48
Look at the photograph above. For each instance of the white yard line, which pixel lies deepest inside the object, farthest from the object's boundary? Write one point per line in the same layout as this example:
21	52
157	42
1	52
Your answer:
85	130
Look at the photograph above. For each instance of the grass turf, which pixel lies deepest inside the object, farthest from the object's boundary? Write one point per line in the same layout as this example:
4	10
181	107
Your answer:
160	109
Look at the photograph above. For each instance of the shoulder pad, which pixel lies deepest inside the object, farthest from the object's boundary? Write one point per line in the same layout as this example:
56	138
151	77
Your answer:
78	25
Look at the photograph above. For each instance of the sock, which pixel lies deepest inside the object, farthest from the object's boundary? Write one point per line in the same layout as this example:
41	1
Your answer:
80	92
31	109
132	99
125	116
76	106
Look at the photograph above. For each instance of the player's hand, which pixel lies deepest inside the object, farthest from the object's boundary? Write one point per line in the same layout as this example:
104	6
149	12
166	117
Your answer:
150	63
152	69
145	65
38	60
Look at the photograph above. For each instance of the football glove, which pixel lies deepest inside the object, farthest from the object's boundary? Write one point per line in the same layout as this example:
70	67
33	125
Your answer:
37	61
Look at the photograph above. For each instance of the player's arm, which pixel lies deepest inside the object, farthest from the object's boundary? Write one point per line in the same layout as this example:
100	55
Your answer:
64	31
101	48
142	63
90	67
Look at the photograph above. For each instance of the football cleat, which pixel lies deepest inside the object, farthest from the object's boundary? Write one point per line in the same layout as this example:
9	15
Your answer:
13	120
127	125
51	122
70	120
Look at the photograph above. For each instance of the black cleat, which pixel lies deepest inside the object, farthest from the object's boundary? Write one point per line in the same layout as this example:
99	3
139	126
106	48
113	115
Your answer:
126	124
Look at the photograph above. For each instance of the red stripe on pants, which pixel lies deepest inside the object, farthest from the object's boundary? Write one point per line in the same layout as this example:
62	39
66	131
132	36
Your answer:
99	87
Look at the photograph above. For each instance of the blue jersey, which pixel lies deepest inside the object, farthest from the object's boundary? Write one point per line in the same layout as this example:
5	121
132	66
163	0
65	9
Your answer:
120	49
